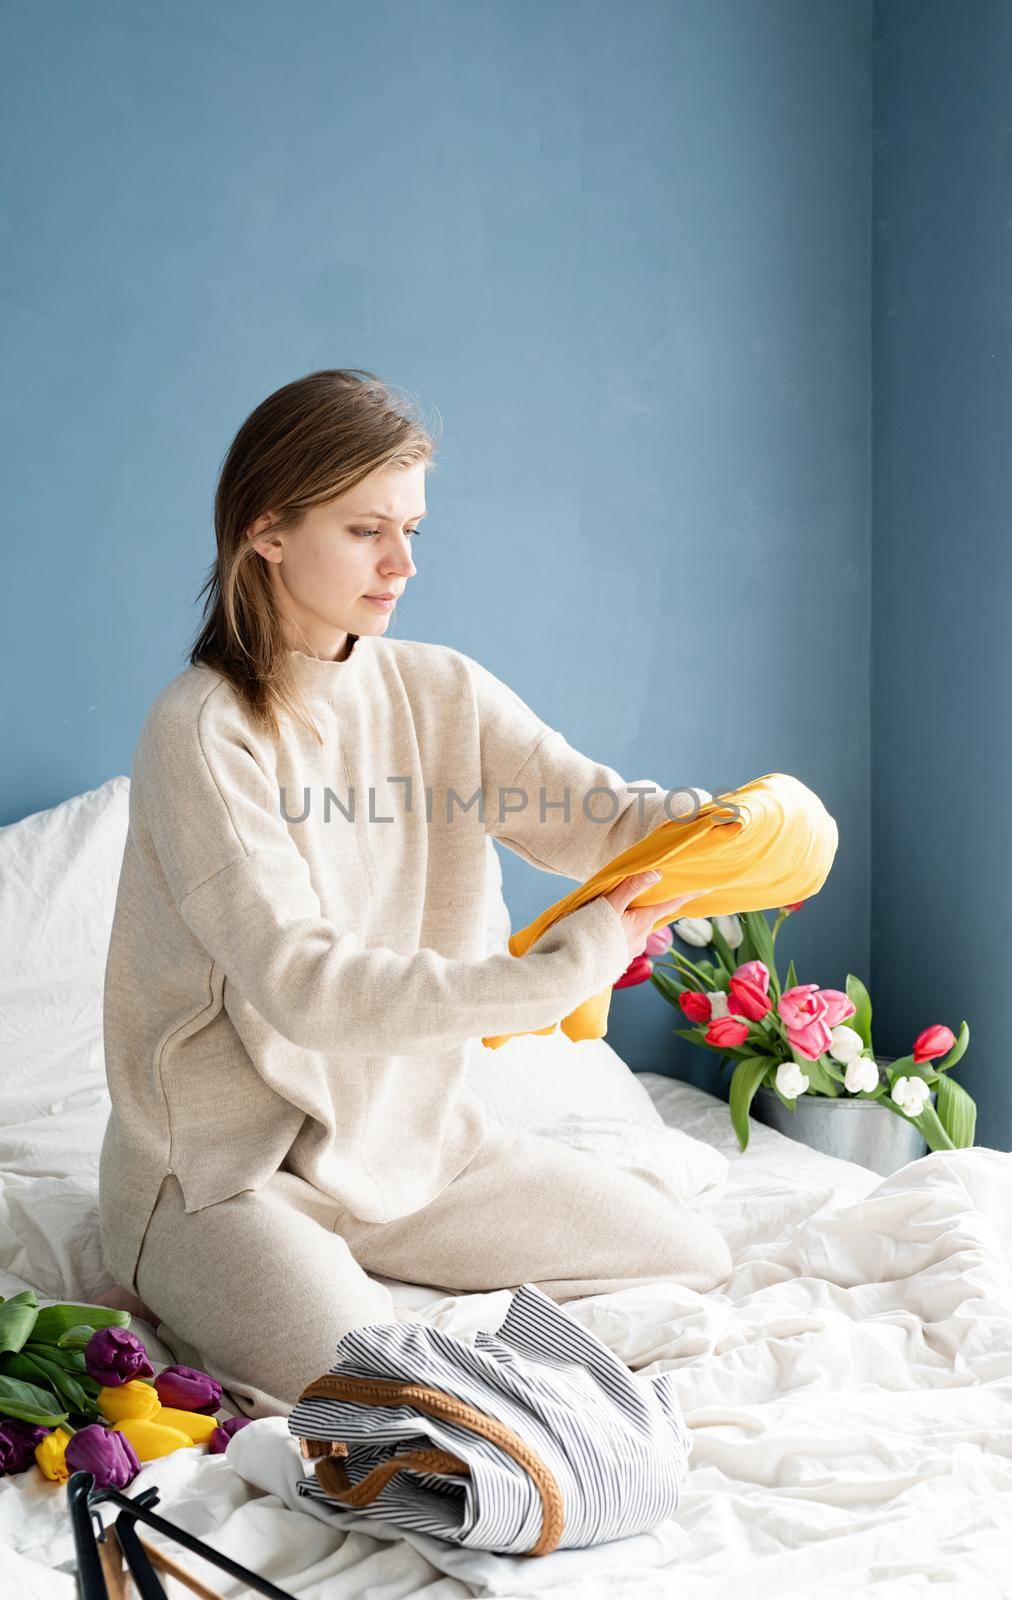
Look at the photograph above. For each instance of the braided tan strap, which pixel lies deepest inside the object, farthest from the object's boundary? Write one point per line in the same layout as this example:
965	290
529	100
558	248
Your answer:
332	1473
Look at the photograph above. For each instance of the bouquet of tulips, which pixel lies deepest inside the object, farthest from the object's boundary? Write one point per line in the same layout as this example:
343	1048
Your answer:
799	1039
79	1394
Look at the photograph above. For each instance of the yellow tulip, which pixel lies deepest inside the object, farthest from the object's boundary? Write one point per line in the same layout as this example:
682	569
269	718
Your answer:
133	1399
150	1439
50	1453
197	1424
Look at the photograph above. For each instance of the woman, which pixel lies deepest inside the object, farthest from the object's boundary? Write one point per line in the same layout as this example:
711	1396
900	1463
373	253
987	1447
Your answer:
296	973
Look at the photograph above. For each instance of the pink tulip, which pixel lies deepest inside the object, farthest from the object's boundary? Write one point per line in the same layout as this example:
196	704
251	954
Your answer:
801	1005
934	1041
697	1007
660	940
840	1007
747	999
811	1040
727	1031
756	972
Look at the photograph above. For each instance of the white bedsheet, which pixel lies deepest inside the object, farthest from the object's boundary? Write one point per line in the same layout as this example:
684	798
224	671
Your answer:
849	1394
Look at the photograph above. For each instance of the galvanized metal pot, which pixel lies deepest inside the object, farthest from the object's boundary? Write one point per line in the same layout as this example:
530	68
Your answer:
854	1130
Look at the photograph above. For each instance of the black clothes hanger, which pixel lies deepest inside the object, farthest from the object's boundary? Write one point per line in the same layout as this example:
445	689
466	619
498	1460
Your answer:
82	1496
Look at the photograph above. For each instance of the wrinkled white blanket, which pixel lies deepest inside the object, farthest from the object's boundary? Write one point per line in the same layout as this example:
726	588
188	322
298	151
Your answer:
849	1394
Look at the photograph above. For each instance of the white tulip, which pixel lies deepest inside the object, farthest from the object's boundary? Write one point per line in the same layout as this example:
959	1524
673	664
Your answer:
791	1081
911	1095
694	930
732	929
718	1004
861	1073
846	1045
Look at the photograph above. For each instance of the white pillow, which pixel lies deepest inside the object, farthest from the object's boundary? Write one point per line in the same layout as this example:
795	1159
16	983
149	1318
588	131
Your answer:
59	873
536	1078
670	1159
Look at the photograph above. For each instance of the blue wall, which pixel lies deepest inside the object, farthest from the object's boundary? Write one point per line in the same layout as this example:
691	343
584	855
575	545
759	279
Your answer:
941	659
625	251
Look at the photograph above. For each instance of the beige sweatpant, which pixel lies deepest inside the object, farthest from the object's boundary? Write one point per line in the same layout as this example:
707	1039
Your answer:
259	1288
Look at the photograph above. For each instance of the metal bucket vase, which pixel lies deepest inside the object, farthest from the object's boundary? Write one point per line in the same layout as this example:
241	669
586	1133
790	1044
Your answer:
853	1130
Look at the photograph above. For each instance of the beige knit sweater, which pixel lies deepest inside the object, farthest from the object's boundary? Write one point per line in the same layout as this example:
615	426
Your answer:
298	976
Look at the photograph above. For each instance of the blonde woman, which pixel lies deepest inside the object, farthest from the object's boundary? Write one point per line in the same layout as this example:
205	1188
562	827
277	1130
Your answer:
296	973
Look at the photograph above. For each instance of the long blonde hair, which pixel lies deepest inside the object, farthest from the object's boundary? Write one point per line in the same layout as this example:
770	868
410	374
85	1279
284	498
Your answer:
307	442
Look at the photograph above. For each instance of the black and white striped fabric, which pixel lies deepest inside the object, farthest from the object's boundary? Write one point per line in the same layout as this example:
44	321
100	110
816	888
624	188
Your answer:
615	1442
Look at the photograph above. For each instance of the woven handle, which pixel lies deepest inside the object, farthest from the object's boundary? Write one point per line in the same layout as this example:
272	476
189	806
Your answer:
333	1476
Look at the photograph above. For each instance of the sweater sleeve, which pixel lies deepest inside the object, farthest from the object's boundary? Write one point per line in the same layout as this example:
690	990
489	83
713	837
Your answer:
244	890
552	806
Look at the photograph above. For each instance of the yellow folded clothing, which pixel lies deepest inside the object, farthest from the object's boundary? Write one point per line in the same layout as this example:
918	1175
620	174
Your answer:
777	849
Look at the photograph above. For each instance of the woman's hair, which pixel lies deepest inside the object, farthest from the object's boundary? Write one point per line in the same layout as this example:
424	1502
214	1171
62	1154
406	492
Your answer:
307	442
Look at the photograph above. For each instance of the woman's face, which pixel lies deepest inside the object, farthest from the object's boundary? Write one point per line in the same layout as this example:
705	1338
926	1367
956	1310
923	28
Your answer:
344	551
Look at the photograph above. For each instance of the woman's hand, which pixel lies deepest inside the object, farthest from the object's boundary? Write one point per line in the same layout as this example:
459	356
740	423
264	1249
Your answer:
639	922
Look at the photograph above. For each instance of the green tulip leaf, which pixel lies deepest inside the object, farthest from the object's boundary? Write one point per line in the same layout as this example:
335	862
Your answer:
902	1067
957	1050
17	1319
75	1338
859	997
667	986
28	1402
65	1386
762	940
819	1080
71	1359
747	1077
54	1321
724	951
957	1112
931	1127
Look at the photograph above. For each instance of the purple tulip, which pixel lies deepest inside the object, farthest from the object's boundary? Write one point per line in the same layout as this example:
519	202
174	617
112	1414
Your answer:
17	1443
115	1355
110	1456
188	1390
218	1441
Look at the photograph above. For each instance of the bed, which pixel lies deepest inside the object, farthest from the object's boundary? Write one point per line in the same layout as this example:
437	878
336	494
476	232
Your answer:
849	1389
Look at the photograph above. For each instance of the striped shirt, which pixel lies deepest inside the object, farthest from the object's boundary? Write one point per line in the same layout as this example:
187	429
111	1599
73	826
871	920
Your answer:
578	1450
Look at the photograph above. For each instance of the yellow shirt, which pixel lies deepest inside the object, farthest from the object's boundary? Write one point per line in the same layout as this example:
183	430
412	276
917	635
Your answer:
777	849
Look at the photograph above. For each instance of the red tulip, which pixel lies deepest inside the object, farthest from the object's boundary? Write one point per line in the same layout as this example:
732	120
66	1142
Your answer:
726	1031
697	1007
795	905
638	971
934	1041
747	999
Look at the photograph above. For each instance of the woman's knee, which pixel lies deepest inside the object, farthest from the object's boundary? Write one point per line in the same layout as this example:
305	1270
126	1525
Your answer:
264	1292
